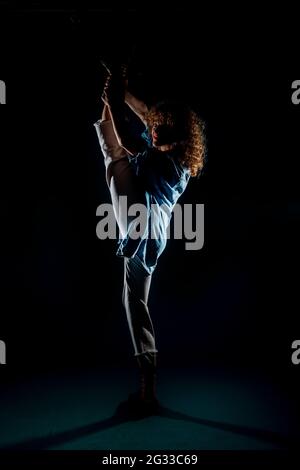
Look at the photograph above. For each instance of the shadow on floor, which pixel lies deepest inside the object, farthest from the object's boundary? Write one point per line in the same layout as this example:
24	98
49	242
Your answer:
123	415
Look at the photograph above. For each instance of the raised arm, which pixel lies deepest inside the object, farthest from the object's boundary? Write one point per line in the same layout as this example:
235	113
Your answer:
137	106
114	97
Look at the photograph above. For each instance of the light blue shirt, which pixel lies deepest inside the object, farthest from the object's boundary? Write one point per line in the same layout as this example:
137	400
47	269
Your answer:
163	180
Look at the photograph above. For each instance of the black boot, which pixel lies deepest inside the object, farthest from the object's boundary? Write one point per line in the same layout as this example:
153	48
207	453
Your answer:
147	368
144	402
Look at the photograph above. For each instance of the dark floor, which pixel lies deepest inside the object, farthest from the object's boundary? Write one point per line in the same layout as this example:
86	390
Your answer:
208	409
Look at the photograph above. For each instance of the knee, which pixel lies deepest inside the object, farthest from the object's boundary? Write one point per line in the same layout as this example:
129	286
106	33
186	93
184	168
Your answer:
132	299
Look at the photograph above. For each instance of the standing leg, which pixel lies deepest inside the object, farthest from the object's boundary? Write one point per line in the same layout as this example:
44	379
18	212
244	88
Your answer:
135	300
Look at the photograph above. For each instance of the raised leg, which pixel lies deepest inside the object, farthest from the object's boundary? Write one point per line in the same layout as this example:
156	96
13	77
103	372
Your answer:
120	176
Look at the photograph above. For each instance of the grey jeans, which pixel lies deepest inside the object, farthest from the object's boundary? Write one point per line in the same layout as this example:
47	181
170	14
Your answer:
121	181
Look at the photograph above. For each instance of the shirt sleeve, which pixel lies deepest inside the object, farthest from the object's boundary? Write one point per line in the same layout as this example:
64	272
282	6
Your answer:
137	161
147	138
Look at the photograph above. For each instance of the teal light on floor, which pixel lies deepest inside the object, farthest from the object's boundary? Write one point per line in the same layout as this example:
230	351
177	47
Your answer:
201	409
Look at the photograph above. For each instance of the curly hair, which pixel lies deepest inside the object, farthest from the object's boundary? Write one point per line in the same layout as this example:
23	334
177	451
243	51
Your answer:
187	130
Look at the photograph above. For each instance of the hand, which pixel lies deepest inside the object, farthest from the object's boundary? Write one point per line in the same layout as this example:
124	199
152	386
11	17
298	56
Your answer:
114	90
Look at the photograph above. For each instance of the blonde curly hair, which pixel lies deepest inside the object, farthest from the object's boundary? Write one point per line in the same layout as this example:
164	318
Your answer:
186	129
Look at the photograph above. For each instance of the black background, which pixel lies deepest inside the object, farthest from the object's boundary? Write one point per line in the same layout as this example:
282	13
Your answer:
234	302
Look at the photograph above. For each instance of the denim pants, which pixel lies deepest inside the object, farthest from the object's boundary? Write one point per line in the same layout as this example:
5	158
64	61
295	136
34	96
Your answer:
121	181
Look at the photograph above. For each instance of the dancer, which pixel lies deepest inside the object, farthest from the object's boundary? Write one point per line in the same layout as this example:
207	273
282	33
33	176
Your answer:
153	171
